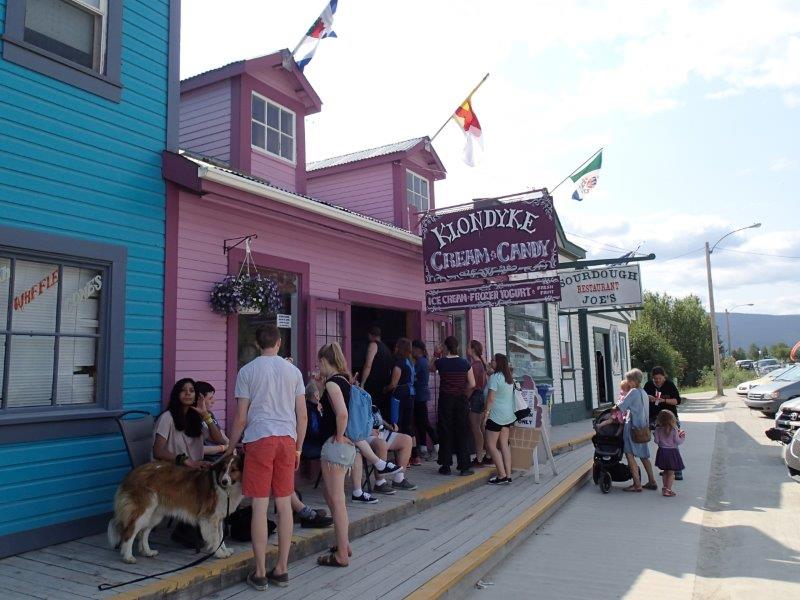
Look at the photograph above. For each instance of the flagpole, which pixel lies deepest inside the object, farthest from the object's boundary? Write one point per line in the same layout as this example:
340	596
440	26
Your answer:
475	89
595	153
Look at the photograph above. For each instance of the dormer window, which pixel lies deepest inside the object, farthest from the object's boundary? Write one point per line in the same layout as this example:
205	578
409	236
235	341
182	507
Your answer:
417	192
272	128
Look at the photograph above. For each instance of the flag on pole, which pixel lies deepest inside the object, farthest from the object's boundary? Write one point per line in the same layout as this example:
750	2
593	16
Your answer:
321	29
468	121
586	178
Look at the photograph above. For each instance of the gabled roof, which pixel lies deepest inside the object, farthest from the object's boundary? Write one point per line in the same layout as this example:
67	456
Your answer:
254	67
385	153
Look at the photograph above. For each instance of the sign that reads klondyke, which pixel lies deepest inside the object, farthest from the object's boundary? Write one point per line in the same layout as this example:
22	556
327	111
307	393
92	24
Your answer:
544	289
609	286
518	237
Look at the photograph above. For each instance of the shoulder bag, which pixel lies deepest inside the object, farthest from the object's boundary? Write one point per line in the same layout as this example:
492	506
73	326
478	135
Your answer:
641	435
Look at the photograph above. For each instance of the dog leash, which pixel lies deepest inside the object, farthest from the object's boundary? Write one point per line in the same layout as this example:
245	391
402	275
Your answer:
111	586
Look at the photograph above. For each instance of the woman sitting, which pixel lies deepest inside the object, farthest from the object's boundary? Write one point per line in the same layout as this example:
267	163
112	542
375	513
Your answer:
205	399
182	429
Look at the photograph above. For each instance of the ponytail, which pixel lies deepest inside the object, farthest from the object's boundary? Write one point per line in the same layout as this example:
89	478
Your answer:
333	354
477	348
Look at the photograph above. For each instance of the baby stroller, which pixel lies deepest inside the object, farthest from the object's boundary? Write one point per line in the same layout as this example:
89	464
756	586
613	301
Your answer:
608	446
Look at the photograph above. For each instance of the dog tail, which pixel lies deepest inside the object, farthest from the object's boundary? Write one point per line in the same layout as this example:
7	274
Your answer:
113	533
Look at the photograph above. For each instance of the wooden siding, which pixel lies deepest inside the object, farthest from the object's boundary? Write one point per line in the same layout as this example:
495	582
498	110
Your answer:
78	165
337	260
278	172
205	120
368	191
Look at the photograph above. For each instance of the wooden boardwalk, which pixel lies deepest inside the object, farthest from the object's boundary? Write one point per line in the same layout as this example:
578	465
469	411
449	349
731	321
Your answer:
394	561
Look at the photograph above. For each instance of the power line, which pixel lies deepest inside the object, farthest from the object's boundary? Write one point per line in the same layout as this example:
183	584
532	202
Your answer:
604	245
759	253
682	255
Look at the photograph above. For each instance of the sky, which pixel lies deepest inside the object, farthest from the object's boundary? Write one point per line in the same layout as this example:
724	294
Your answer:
696	104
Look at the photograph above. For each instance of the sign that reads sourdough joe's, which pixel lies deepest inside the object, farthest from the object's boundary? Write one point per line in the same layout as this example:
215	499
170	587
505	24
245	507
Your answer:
514	237
609	286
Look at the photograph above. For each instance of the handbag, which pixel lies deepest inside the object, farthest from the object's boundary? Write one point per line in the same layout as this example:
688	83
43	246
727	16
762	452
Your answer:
641	435
521	408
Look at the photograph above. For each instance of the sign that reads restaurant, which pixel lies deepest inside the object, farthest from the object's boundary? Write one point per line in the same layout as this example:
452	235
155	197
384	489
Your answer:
544	289
609	286
514	237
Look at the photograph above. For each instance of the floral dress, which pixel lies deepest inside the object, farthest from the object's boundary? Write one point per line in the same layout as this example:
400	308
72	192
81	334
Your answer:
638	407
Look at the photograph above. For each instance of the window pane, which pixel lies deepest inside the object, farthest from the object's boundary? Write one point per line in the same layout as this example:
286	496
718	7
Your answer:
409	181
526	348
287	123
35	296
273	116
61	28
527	310
258	109
320	323
287	147
273	141
257	133
80	304
2	362
424	187
30	373
5	280
77	370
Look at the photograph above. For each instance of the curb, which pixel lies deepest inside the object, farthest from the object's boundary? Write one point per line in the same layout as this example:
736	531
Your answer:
217	574
571	444
456	580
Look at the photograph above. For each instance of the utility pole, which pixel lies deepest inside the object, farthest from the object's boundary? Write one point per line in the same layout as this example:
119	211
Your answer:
728	329
714	335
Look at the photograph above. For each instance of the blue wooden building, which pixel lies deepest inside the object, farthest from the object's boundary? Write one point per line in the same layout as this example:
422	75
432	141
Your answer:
88	100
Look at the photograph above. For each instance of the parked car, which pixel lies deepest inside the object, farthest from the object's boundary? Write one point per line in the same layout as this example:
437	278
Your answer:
788	416
743	388
745	364
769	396
765	365
791	456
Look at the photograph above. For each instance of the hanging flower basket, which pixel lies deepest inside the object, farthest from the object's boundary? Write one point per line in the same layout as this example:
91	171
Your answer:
245	295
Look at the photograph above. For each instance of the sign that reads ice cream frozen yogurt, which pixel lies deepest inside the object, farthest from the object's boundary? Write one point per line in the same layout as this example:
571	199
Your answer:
514	237
543	289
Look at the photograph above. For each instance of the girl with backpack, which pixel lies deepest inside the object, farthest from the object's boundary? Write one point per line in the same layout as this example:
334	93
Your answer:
401	388
477	402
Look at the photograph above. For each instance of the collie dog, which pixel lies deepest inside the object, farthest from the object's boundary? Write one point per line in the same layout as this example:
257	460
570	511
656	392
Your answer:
161	489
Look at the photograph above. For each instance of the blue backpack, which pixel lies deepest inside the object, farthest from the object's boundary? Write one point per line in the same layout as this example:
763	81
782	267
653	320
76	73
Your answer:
359	418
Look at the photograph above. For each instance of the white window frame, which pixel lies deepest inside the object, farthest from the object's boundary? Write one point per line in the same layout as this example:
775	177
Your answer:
267	127
100	31
415	194
565	338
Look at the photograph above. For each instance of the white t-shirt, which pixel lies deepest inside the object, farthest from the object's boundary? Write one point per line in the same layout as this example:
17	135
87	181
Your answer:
271	383
177	441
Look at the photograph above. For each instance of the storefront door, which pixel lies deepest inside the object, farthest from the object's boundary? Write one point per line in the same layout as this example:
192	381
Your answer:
604	386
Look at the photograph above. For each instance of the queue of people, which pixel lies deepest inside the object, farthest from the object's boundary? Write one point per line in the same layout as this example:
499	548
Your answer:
274	404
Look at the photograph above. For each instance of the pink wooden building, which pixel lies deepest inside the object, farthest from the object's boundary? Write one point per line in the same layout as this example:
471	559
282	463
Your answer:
335	234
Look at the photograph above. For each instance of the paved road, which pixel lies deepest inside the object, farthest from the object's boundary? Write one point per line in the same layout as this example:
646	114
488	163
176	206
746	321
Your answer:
733	531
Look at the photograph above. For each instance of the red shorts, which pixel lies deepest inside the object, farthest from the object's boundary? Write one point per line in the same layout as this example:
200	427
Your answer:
269	467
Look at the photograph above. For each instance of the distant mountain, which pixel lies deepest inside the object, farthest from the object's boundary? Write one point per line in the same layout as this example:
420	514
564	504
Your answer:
763	330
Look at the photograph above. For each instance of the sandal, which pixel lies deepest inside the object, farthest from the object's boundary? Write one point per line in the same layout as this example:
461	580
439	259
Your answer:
329	560
335	549
631	488
668	493
650	486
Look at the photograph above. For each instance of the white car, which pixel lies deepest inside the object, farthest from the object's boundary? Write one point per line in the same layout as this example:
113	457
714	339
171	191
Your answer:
787	418
743	388
791	456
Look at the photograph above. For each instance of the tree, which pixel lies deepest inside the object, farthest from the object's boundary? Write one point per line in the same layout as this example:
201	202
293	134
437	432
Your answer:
780	351
738	354
649	348
686	327
752	351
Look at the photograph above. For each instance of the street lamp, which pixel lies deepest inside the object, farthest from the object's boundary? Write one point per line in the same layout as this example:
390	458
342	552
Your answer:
714	335
728	323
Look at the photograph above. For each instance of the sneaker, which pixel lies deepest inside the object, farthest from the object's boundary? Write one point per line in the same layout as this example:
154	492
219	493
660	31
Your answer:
318	521
443	470
319	512
477	464
499	480
384	488
389	469
257	583
466	472
279	580
487	460
364	498
404	485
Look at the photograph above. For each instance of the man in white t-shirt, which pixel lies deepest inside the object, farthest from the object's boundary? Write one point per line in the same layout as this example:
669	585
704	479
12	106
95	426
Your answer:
271	412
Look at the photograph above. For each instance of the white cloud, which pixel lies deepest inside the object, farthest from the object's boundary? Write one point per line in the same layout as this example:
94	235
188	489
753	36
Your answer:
780	164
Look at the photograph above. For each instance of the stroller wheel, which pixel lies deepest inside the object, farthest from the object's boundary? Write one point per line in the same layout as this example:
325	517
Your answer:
605	483
596	473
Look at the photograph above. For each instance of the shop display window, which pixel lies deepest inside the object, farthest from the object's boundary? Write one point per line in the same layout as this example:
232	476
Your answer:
527	340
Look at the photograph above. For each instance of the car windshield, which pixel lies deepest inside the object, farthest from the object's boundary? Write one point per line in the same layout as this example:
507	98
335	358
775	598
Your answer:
767	362
792	374
778	372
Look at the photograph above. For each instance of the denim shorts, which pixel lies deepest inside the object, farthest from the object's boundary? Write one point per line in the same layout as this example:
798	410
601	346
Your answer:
343	455
477	402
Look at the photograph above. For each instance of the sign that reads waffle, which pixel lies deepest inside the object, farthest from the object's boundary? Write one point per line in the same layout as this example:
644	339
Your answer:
544	289
513	237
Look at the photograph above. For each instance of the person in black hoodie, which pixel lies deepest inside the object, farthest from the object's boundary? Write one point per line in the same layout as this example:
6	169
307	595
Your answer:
664	395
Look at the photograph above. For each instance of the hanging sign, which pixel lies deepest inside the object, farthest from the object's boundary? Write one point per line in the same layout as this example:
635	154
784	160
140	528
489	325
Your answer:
609	286
514	237
544	289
